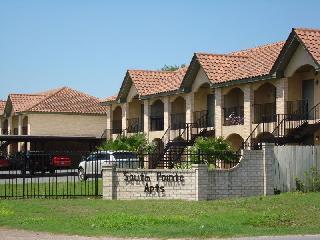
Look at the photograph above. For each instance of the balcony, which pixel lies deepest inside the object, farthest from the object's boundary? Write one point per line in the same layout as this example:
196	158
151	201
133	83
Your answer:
5	131
178	121
201	118
156	124
134	125
116	127
15	131
233	116
265	112
299	107
24	130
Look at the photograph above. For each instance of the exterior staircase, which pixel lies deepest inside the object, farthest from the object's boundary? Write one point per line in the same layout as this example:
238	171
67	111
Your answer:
285	129
175	143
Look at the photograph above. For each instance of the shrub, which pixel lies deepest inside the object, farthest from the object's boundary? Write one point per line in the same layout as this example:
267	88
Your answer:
312	182
208	150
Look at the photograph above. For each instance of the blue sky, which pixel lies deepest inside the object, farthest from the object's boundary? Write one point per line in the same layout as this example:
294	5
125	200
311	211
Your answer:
88	45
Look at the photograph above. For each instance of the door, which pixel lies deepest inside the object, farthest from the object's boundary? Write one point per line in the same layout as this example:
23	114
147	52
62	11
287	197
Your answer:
210	107
308	95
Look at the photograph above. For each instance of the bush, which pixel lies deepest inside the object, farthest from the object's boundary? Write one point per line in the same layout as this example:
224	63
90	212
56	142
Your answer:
137	143
312	182
208	150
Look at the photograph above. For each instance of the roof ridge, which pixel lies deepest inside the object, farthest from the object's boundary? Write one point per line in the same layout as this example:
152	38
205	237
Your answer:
26	94
143	70
48	96
307	29
223	55
257	47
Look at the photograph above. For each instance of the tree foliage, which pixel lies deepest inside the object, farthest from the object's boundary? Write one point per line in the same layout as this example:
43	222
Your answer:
208	150
172	67
137	143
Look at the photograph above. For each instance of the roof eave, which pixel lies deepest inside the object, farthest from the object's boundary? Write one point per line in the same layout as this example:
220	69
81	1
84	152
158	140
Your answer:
244	81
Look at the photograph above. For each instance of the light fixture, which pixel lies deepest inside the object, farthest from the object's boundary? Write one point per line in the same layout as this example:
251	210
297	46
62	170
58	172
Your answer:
317	138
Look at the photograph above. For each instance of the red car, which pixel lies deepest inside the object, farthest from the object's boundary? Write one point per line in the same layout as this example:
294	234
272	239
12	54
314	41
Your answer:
60	162
4	163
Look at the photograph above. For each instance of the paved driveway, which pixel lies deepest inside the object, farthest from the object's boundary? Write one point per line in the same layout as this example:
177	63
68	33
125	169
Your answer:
11	234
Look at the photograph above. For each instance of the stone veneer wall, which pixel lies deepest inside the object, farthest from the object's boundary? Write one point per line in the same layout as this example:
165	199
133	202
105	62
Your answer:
252	176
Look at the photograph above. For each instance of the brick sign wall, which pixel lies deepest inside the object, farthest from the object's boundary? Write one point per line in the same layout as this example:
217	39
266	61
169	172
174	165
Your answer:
253	176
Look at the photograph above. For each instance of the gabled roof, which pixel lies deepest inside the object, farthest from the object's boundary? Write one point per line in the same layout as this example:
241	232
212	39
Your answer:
62	100
67	100
2	106
149	83
308	38
311	39
245	64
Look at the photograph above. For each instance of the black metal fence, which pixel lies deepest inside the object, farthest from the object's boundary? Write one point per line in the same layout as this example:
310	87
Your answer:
79	174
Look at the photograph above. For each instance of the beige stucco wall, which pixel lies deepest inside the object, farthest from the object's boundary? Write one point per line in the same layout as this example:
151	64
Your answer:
67	125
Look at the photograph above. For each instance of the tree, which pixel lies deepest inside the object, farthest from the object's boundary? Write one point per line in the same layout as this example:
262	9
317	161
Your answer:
137	143
208	150
172	67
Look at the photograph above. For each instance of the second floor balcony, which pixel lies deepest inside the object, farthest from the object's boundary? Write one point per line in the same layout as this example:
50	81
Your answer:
134	125
233	116
265	112
156	123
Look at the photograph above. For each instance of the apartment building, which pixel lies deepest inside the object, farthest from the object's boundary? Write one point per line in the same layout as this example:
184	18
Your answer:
62	112
266	93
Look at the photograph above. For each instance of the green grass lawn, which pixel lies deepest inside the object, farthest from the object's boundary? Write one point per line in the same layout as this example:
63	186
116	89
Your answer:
290	213
71	188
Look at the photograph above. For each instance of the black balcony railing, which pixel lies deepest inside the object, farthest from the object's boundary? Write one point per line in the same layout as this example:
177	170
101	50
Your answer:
299	107
5	131
134	125
201	118
156	123
233	116
116	126
24	130
178	121
264	112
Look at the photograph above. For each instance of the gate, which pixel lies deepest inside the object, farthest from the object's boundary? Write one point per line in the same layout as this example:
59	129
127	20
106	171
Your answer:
57	174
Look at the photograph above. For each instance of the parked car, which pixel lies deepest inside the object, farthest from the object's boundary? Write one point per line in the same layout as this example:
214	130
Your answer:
36	161
92	165
4	163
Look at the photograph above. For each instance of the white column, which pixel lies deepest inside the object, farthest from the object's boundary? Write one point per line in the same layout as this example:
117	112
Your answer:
109	117
167	113
248	117
189	107
9	131
146	120
1	120
218	112
281	95
19	131
124	115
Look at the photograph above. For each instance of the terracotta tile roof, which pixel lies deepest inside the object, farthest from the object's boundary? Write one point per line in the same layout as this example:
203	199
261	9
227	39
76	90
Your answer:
259	61
67	100
2	106
109	99
243	64
154	82
21	102
311	39
218	66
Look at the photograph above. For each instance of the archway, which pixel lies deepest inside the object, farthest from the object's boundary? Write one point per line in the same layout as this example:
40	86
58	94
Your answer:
178	113
5	127
236	141
204	106
301	91
117	120
25	126
233	107
135	116
156	116
265	103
